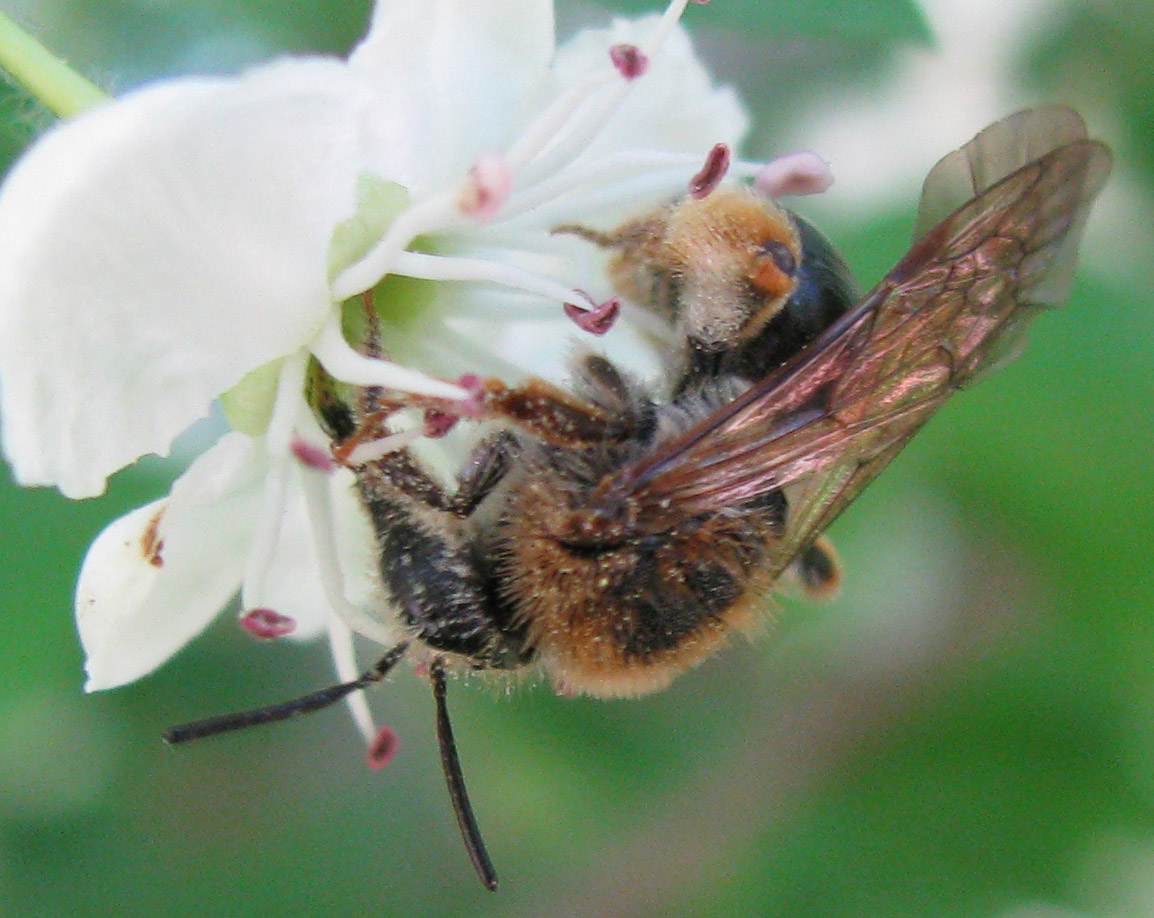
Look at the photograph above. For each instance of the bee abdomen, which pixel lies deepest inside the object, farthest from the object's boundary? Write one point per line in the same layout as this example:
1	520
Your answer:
627	617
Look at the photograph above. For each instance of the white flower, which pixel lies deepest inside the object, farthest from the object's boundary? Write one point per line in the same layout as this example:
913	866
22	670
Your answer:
194	240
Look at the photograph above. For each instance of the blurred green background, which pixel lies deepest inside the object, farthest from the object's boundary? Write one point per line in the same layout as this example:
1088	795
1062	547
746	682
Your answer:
967	731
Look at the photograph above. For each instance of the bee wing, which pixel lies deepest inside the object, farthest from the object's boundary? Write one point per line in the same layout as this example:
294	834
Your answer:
827	422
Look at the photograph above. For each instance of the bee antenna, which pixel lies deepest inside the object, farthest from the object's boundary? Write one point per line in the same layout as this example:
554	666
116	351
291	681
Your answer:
314	701
451	764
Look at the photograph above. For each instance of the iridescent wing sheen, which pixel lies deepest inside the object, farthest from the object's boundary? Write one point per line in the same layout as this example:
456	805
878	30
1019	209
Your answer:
1005	215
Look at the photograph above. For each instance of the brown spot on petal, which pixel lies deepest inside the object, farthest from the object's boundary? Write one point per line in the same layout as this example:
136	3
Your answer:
151	544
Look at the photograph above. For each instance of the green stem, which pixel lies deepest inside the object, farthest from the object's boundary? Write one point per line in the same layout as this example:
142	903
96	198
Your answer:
48	78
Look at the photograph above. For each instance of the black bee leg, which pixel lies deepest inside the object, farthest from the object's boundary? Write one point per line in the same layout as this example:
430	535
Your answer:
314	701
483	471
455	780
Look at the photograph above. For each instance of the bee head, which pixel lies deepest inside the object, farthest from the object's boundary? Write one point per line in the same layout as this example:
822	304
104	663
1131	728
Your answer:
736	256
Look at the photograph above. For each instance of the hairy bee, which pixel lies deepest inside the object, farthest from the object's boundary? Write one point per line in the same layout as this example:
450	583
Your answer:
615	536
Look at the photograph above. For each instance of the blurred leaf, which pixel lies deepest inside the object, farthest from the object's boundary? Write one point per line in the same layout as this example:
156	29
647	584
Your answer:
862	20
1094	53
22	118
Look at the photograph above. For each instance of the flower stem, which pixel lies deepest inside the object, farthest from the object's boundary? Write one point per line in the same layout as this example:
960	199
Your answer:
46	76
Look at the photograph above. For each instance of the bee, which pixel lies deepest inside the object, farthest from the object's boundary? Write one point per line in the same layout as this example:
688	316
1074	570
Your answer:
615	536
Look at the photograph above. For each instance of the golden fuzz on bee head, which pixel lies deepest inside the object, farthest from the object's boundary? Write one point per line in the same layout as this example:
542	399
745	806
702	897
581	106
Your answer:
732	229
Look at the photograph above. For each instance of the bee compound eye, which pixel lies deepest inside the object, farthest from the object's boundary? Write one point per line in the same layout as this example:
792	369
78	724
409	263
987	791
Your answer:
781	255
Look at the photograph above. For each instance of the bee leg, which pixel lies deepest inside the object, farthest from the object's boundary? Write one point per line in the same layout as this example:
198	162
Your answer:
645	234
427	561
555	416
483	471
606	408
455	780
817	570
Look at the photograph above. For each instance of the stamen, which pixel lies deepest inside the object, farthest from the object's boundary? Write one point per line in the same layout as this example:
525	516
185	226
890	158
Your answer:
629	61
278	436
643	174
669	19
794	174
460	349
548	126
373	450
436	212
267	624
586	113
711	174
345	662
322	523
312	456
383	748
598	320
342	362
487	187
454	268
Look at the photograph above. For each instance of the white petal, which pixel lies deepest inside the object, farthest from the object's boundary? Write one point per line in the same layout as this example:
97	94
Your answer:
155	250
155	578
453	79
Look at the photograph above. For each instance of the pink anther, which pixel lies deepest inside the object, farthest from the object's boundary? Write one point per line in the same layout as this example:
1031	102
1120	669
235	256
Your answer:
266	624
383	748
794	174
599	319
629	60
711	174
312	455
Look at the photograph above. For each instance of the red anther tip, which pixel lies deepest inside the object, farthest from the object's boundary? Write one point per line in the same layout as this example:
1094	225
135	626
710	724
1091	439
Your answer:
598	320
312	455
711	174
266	624
383	748
629	61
